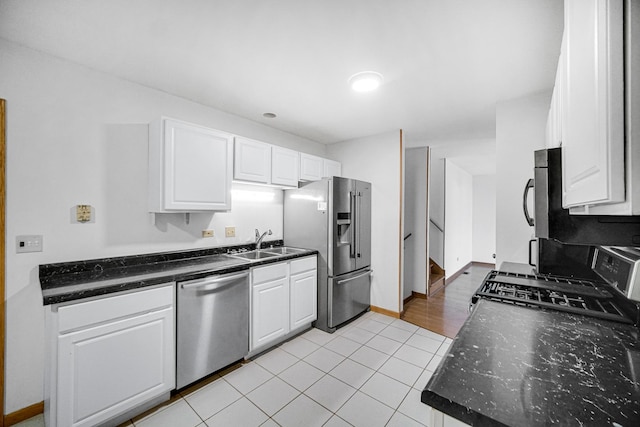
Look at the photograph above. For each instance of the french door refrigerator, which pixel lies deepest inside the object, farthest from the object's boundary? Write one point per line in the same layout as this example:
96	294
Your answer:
333	216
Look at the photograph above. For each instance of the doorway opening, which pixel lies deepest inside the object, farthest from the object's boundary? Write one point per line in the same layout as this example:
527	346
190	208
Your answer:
449	237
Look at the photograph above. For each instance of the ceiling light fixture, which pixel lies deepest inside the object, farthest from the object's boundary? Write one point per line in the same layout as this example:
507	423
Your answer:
365	81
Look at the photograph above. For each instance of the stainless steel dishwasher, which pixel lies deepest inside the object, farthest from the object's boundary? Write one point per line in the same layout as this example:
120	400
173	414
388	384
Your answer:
212	325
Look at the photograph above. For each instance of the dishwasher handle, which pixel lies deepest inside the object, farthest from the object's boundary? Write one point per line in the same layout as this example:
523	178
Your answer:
212	283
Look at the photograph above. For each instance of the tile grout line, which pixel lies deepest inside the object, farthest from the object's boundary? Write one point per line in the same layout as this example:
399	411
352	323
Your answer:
298	393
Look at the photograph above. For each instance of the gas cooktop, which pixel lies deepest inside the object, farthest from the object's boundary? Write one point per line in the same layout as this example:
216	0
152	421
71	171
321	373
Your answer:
553	292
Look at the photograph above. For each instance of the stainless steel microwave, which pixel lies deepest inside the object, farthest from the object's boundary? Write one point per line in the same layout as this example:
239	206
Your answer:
552	221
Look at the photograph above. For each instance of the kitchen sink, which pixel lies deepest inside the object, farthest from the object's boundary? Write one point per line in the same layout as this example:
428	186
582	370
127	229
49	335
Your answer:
255	255
284	250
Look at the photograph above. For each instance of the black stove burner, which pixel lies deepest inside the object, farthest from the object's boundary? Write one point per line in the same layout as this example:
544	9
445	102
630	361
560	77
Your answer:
552	292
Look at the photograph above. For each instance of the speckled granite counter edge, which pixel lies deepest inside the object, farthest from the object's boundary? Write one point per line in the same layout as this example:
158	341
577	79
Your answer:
56	289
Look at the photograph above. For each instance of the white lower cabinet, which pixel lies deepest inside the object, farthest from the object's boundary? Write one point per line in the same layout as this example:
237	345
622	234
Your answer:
270	304
283	299
303	285
109	356
440	419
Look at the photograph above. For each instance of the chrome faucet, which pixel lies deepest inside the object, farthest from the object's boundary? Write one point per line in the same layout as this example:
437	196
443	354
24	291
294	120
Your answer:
260	237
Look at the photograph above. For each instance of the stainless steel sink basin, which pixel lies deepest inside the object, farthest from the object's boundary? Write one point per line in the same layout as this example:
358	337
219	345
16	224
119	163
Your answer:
284	250
255	255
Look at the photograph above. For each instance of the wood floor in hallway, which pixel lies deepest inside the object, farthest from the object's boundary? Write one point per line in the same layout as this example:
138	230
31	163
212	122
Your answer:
445	312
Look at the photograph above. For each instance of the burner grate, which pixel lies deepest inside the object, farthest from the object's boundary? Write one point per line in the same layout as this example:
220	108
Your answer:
553	292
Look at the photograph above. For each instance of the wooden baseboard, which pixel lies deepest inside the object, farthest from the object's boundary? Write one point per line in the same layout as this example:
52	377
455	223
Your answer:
463	269
437	286
484	264
413	295
24	414
385	311
458	273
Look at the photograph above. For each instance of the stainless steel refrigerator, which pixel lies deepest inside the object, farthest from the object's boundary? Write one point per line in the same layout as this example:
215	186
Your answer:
333	216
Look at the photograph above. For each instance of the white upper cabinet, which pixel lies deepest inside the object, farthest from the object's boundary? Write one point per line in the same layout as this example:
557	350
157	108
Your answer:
263	163
331	168
190	167
313	168
284	166
592	128
252	161
554	119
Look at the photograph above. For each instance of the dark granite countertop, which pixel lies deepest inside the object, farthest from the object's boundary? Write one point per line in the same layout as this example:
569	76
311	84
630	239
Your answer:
519	366
76	280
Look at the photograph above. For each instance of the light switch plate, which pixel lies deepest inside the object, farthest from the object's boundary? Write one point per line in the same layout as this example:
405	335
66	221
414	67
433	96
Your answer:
207	233
32	243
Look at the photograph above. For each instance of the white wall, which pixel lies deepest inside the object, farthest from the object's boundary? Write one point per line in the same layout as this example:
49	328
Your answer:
484	218
437	208
458	218
520	130
377	159
76	136
415	221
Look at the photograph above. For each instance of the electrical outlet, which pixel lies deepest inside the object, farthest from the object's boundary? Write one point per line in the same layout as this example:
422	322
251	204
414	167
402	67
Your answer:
207	233
230	232
28	244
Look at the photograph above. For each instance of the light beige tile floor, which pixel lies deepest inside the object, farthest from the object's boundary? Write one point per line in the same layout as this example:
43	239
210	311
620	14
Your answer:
369	373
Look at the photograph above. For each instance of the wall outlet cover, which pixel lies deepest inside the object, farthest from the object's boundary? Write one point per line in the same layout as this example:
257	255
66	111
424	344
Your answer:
83	213
230	232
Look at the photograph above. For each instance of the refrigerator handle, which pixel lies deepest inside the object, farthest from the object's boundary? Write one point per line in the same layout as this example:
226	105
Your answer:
354	235
358	231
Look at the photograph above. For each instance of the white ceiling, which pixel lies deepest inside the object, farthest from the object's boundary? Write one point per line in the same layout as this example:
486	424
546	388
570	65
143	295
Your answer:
446	62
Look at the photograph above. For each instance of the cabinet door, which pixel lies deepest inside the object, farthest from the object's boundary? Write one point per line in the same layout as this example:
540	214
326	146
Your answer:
109	369
252	161
269	312
284	166
592	103
311	167
331	168
197	168
554	119
303	298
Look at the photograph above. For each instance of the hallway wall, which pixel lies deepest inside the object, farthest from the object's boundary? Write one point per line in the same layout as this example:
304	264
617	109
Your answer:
415	213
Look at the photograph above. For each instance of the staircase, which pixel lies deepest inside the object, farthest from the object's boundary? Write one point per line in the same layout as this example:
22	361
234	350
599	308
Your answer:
436	277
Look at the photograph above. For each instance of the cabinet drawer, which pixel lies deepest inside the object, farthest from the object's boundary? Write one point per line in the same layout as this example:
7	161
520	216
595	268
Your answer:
270	272
92	312
303	264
